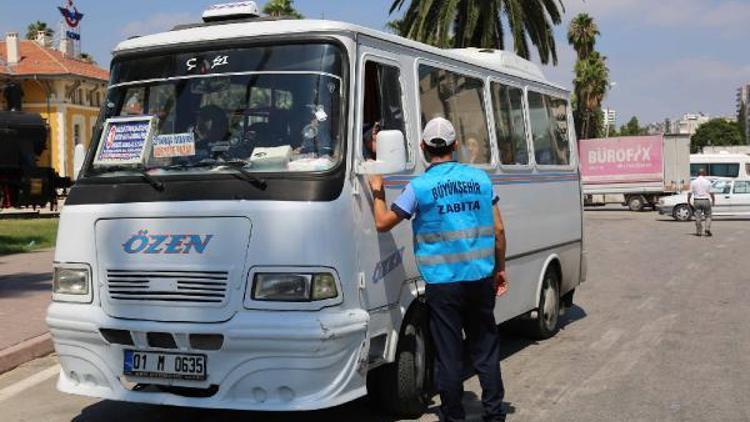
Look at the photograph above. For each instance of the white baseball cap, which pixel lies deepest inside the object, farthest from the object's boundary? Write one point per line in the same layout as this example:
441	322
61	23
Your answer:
439	132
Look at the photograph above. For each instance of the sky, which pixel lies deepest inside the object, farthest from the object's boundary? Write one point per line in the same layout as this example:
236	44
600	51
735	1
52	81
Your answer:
666	57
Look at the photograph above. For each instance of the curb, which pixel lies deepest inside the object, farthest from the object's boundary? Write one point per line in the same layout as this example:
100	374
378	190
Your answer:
25	351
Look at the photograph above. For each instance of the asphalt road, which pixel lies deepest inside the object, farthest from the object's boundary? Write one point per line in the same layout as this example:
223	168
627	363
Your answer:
659	333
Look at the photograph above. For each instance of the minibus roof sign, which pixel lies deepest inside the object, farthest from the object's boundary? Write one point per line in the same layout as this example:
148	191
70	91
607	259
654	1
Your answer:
234	10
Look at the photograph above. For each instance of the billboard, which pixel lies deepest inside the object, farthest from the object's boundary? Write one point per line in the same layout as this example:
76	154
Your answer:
633	159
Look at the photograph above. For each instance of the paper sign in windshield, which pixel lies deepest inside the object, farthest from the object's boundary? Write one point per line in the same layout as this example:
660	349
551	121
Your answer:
124	140
174	145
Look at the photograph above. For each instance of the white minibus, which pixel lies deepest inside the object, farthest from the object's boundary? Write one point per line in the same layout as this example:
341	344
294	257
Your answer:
218	249
721	165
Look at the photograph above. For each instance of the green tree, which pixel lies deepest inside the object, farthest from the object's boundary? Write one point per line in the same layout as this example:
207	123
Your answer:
590	85
582	34
632	128
667	126
281	8
37	26
591	78
716	132
480	23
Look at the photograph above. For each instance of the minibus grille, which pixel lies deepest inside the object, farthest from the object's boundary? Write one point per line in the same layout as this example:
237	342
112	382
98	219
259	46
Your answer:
184	287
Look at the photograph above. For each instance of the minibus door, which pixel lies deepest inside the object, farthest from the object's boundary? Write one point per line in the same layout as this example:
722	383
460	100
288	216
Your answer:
380	107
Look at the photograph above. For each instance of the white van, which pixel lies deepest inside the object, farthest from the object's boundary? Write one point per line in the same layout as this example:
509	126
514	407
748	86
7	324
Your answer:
721	165
218	249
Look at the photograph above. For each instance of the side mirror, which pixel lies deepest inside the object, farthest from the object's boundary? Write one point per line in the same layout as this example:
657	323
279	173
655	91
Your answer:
391	153
79	155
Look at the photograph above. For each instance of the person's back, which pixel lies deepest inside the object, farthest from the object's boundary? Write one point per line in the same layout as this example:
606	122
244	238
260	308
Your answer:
701	188
455	218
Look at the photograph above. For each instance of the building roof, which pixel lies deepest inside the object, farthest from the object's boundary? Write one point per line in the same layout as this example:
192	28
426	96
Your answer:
186	34
41	61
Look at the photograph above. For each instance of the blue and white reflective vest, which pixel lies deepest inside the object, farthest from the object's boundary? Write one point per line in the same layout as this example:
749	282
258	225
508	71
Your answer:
454	237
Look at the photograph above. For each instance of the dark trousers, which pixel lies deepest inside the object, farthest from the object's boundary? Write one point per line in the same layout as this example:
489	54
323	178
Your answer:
467	306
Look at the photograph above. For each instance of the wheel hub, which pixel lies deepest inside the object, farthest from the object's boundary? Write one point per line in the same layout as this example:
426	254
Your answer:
550	310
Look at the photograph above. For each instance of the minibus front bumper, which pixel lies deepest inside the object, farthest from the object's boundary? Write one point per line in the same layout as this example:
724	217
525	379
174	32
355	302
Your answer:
268	360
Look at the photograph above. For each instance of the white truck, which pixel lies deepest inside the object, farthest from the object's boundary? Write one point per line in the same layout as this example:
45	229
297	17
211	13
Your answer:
635	171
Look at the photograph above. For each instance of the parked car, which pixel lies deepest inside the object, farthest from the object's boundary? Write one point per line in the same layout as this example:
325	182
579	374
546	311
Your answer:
732	199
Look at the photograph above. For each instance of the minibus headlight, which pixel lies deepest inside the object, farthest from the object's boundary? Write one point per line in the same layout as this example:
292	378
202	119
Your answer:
290	287
71	284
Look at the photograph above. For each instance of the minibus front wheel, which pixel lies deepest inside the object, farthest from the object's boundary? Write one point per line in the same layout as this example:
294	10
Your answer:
545	325
403	387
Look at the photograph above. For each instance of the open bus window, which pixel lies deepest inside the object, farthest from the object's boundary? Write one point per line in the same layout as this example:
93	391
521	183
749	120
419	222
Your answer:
510	127
549	127
382	108
460	99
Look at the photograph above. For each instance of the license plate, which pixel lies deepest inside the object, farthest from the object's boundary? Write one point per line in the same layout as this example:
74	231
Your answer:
165	365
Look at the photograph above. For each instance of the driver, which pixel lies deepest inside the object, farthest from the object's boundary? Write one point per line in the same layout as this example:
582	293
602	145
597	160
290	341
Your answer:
211	125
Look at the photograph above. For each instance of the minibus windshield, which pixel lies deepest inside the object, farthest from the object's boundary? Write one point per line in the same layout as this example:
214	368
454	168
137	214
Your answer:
263	109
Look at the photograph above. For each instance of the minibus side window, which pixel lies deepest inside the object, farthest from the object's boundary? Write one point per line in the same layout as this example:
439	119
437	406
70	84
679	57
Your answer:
460	99
383	108
694	168
507	104
549	128
725	170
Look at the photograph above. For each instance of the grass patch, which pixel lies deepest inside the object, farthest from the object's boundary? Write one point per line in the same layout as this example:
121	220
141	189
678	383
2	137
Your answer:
22	235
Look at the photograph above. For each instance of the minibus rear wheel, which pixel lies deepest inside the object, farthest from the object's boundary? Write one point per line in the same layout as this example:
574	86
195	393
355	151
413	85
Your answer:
402	388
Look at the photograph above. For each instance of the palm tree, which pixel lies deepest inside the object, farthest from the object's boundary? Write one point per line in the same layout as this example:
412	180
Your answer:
33	29
396	26
482	23
591	84
582	34
282	8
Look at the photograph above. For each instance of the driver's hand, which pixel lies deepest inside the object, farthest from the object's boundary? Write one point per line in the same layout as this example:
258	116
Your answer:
376	182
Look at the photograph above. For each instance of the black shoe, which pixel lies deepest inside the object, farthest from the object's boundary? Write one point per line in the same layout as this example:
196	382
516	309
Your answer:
708	233
699	234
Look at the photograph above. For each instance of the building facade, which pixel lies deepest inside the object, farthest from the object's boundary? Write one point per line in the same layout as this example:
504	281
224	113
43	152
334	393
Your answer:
65	90
610	119
689	123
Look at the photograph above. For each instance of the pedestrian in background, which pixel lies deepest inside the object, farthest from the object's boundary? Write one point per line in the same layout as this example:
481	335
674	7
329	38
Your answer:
703	200
459	245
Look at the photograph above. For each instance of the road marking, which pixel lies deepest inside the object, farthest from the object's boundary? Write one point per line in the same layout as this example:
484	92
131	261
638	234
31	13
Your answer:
29	382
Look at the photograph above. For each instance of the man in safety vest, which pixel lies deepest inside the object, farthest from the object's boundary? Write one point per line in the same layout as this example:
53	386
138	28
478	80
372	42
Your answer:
459	245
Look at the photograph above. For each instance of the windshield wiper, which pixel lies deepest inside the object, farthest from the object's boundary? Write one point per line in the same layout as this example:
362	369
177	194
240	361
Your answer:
243	174
237	165
156	184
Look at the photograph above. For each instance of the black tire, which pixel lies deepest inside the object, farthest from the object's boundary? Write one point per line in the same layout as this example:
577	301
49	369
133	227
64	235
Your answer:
402	388
636	203
548	314
682	212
